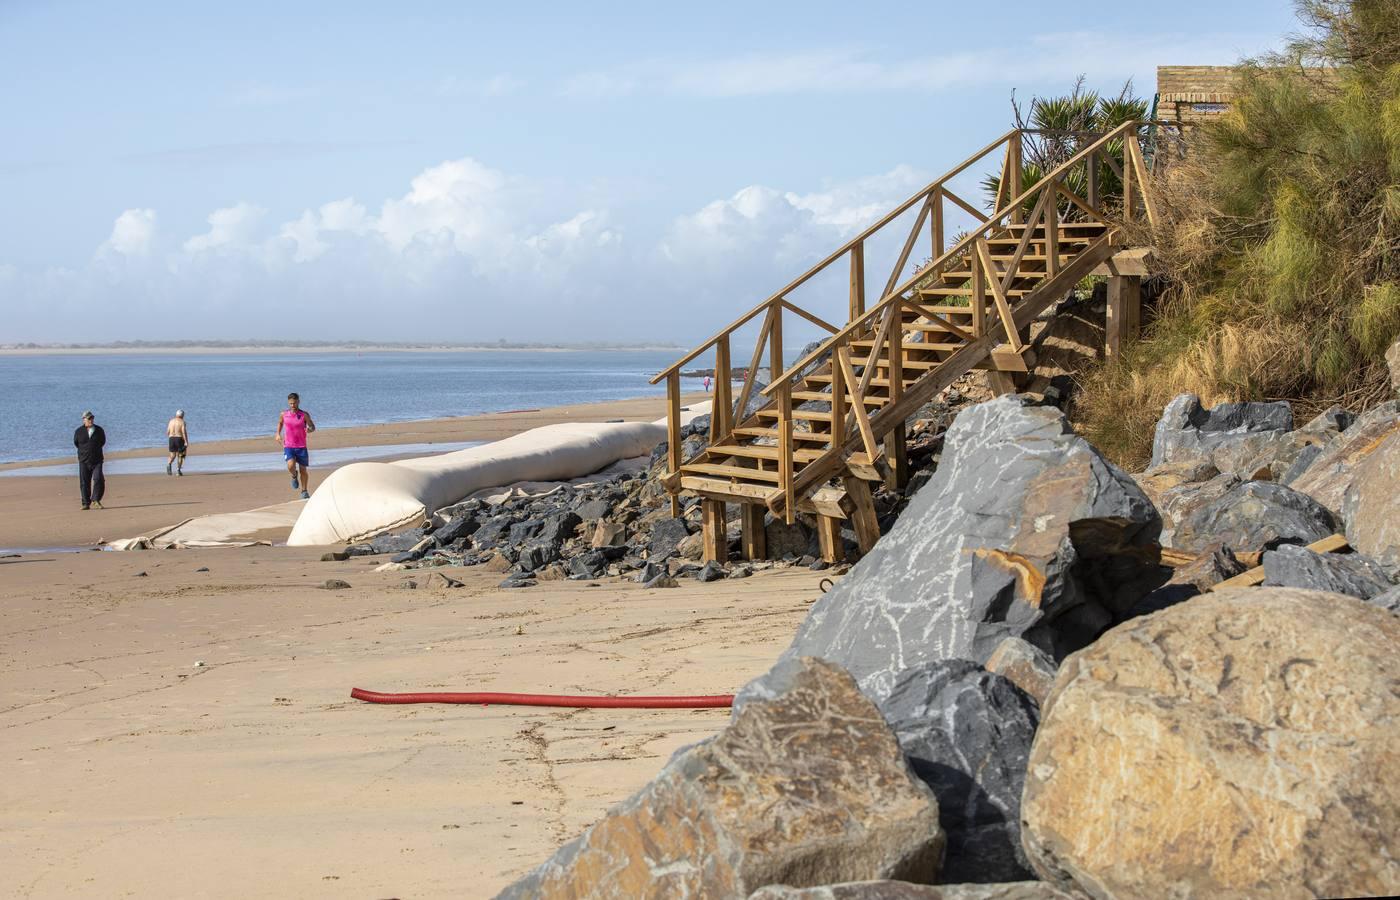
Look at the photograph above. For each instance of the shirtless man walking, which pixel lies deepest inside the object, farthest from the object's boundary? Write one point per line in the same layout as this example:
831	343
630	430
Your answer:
179	439
293	425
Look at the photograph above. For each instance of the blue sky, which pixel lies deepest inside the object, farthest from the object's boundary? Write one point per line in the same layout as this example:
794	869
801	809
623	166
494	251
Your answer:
525	171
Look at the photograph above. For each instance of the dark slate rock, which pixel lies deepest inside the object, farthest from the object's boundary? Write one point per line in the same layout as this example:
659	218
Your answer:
335	584
521	532
360	550
786	540
455	530
560	527
661	581
740	572
1330	475
1186	429
1371	505
1305	458
904	890
666	534
1024	530
492	533
1215	564
592	564
396	543
407	556
1341	573
537	555
1255	515
711	571
1331	421
649	571
967	733
593	509
518	580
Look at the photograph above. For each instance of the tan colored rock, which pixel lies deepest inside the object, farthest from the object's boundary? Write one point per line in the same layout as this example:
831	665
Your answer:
1157	480
1241	744
805	789
1327	477
497	563
1024	665
609	534
1392	361
1371	507
552	572
692	546
903	890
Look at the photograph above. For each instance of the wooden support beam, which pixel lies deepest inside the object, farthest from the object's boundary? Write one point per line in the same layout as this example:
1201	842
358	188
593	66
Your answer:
1255	576
1091	163
984	254
833	549
1133	261
897	457
936	221
863	518
716	545
785	475
1014	152
1052	235
1124	313
1001	383
753	539
764	332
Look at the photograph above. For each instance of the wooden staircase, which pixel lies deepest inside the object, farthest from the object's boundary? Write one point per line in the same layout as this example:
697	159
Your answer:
834	420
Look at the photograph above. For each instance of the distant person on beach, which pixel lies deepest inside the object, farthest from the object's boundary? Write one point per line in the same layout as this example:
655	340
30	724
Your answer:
292	428
89	439
707	384
179	439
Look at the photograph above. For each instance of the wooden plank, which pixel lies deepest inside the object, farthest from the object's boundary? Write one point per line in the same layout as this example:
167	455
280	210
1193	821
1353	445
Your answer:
838	405
897	458
1133	261
785	449
1329	544
833	549
753	540
673	434
881	336
1015	150
978	301
763	333
1001	383
1037	215
810	317
714	542
1052	235
857	297
731	471
908	248
1127	175
967	207
1092	179
718	488
999	294
843	356
936	222
863	518
1140	170
861	466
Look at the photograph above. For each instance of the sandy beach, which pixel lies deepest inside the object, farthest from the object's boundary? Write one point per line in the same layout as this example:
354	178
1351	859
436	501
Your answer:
179	722
43	511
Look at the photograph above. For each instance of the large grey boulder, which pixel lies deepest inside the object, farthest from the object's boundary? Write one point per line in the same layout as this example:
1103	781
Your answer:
666	536
1023	530
1256	515
1327	478
1341	573
805	789
1233	436
1025	665
967	733
903	890
1178	503
1390	600
1241	744
1371	506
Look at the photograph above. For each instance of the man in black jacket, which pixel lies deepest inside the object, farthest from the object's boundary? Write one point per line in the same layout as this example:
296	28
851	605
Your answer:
89	439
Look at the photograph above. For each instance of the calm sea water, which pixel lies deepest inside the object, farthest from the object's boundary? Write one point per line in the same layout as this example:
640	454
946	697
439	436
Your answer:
225	396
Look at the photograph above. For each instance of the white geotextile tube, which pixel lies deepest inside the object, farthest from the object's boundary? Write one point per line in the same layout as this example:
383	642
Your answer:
363	499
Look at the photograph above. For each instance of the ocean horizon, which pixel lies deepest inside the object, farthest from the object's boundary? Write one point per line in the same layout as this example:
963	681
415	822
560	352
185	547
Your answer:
228	396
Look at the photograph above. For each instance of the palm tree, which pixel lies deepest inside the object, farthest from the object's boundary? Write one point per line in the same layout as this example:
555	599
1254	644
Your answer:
1058	127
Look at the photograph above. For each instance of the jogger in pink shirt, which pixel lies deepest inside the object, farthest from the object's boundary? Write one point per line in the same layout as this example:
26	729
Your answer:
293	425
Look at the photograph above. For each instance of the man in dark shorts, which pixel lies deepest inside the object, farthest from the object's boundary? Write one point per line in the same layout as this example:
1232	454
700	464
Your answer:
293	425
89	438
179	439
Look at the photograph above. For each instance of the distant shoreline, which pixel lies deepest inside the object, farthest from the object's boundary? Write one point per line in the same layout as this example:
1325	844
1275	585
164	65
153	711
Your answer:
176	349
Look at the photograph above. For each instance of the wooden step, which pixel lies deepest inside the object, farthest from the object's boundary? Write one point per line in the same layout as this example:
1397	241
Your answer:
908	347
809	436
730	471
960	292
808	414
826	398
740	492
760	451
966	274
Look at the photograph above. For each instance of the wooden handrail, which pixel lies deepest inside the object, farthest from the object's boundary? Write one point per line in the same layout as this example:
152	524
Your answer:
802	279
1050	180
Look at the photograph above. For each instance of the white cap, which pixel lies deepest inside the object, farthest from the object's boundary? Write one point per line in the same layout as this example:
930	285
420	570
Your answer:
180	413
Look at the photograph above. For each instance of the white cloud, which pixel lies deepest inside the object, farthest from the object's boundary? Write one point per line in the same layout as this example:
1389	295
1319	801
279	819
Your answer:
337	216
460	201
132	234
230	228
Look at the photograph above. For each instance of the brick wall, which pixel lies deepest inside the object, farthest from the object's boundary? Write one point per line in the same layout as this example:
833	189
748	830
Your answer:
1193	93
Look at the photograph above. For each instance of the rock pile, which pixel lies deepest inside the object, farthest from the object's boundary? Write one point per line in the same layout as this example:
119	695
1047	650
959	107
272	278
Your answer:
1033	694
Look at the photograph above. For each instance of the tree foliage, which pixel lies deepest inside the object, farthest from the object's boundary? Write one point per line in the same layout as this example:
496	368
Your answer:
1281	236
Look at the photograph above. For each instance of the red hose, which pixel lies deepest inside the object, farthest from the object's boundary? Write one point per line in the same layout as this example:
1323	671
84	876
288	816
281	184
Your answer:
487	698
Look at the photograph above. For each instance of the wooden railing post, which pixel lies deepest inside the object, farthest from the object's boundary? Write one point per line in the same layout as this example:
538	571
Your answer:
1127	182
1051	218
785	450
839	389
1013	166
936	222
857	281
979	298
722	408
1092	179
673	435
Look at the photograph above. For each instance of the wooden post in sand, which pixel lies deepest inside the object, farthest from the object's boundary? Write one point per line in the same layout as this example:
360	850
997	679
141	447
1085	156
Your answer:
829	537
716	544
753	539
1124	313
